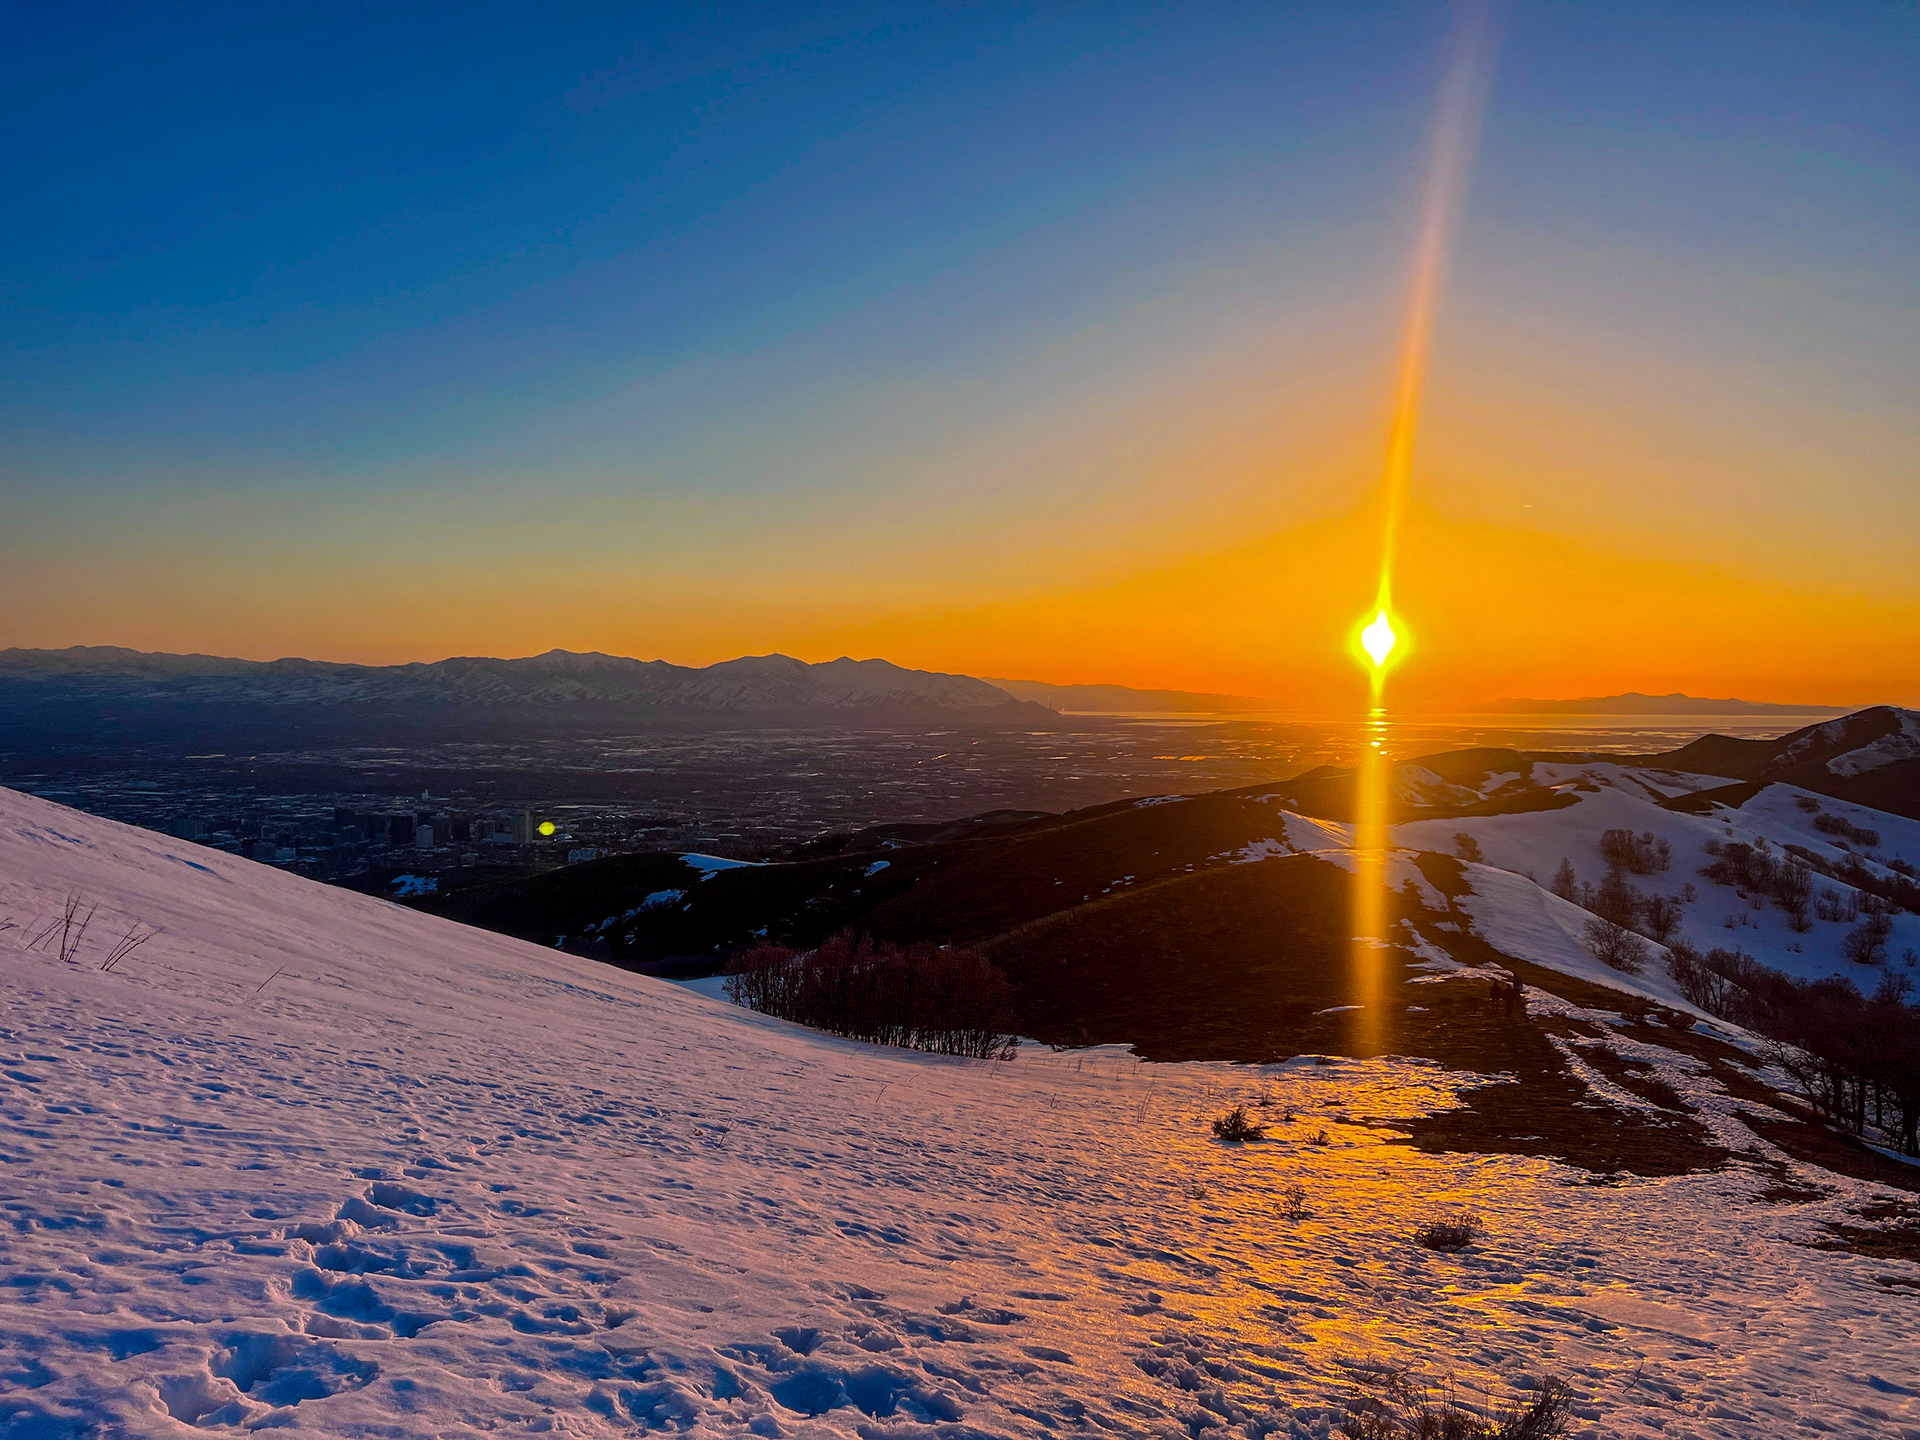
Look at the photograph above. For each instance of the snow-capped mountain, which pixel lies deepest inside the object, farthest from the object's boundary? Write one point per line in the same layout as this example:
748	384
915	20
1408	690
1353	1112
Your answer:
559	677
1871	757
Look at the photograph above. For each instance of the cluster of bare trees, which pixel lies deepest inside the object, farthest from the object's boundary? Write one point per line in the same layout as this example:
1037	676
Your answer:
1855	1057
1900	890
923	997
1642	854
1839	825
1788	879
1625	917
1757	869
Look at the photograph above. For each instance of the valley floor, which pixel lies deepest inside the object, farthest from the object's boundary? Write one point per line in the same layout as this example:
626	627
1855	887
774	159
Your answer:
311	1161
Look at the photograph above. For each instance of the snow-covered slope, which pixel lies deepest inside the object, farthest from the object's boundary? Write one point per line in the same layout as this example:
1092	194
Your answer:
310	1161
1609	796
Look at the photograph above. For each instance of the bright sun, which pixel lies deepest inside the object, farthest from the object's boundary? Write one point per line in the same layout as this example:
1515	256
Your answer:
1378	639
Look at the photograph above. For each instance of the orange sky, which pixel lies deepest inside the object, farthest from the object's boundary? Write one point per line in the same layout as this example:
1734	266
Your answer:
1488	612
1131	428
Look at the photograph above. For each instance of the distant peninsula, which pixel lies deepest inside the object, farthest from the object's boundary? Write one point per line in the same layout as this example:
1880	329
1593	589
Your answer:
1110	699
1634	703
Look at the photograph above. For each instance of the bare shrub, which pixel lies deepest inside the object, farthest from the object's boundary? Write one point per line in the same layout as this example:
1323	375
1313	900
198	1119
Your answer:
1615	901
1660	917
1841	907
1793	892
1454	1233
919	997
1236	1127
1858	834
1565	883
70	925
1293	1201
1642	854
125	946
1711	981
1615	945
1866	943
1388	1403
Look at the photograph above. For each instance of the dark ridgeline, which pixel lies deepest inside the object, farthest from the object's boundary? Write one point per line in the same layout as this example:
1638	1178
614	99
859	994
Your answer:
105	692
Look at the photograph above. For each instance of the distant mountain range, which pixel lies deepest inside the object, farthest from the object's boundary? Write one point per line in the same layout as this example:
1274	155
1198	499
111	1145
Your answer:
1634	703
1107	698
106	691
157	696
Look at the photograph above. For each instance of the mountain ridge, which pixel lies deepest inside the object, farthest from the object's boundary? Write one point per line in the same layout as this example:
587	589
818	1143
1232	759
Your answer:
555	677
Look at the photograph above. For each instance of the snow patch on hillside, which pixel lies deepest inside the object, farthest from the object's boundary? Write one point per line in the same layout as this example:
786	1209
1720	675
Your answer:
711	865
1889	749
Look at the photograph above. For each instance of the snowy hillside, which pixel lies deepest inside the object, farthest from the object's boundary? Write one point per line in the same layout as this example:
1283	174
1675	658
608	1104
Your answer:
315	1162
1608	796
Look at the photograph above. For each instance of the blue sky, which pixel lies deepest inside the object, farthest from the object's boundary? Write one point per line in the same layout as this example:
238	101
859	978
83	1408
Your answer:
659	298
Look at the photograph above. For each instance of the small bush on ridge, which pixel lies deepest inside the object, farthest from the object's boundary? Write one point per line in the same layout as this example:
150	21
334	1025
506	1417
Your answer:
1236	1127
1454	1234
1390	1404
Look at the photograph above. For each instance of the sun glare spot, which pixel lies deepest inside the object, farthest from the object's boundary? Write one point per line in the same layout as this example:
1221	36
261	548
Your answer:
1378	639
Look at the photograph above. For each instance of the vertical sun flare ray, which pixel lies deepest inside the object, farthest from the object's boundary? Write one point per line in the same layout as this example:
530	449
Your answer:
1379	639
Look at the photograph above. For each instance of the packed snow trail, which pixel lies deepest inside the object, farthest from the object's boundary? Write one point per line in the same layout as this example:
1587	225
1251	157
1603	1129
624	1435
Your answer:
311	1161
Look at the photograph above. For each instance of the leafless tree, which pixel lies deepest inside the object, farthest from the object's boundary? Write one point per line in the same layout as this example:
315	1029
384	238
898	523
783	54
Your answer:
1615	945
1866	943
1660	917
1565	883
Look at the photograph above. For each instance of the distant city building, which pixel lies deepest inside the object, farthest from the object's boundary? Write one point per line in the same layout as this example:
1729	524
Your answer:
423	837
523	828
585	852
